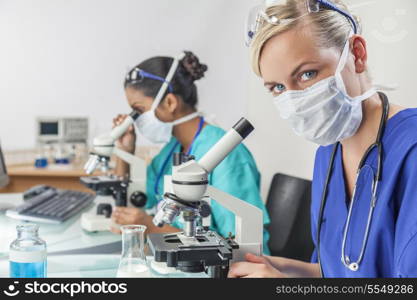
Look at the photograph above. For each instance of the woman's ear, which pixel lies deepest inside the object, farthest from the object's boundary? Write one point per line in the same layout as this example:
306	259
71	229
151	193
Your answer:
171	103
360	53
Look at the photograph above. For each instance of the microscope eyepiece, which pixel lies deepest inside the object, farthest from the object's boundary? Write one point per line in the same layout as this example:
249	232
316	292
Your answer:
243	127
134	115
225	145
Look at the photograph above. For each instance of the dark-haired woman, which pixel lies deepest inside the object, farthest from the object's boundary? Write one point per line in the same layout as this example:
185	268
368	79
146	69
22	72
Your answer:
171	117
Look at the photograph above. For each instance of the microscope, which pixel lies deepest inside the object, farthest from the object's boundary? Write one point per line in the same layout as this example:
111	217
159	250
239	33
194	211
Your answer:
110	188
198	249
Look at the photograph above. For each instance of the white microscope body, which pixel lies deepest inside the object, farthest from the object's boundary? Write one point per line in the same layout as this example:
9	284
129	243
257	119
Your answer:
189	187
103	149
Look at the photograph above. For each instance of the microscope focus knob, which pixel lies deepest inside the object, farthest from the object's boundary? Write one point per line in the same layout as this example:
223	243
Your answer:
204	210
138	199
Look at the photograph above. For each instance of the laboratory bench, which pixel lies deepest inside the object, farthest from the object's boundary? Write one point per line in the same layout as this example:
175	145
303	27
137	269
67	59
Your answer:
23	177
71	251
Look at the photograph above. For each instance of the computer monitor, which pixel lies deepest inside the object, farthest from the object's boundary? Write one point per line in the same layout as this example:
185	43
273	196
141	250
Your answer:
4	179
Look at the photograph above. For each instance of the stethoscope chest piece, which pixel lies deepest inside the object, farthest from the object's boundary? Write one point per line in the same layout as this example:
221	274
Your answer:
354	266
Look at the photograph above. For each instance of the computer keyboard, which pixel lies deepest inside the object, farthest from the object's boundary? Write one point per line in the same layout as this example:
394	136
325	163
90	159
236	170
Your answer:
52	206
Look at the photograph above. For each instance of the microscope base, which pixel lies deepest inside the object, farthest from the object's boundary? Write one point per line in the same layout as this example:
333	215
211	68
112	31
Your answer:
92	222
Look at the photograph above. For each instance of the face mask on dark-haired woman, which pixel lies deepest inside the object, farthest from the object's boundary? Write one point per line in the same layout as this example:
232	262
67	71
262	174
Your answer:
148	123
157	131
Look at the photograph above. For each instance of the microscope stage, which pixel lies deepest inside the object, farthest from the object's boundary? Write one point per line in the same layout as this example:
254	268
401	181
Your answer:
191	254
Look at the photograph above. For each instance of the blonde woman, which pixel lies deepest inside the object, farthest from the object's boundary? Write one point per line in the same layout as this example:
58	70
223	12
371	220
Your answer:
314	62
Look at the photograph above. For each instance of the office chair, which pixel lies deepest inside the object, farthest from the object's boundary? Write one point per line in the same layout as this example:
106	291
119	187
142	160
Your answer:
288	205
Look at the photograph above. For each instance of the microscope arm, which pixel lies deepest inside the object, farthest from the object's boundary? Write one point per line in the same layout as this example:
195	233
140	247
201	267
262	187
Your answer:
137	168
248	222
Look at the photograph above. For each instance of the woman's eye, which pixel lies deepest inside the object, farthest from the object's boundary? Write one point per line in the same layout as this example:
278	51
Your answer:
278	89
306	76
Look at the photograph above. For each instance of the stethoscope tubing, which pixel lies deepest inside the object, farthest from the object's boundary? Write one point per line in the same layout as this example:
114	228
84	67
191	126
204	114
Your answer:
378	144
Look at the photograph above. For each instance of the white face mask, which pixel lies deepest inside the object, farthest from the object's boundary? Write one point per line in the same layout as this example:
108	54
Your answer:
157	131
324	113
149	125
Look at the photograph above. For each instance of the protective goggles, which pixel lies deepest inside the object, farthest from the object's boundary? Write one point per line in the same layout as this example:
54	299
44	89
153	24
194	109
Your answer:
258	16
137	75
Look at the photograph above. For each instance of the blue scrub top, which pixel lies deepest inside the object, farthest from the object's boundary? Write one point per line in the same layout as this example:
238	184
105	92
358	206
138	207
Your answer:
391	250
237	175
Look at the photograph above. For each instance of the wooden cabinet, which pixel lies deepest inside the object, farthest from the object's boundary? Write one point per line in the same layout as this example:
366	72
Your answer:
63	177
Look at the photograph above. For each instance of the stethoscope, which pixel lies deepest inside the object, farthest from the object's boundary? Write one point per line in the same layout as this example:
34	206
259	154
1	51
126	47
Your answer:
354	265
169	157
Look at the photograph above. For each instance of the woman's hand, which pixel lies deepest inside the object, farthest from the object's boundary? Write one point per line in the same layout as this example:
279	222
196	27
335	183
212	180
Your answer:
127	141
254	267
128	216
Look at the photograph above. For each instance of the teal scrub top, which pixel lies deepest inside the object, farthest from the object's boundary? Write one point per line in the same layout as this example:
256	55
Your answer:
236	175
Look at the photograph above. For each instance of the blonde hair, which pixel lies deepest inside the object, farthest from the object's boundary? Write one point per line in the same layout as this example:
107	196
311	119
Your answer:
331	27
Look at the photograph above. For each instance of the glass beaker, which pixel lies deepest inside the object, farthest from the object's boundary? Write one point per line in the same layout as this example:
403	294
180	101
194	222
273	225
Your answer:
27	254
133	261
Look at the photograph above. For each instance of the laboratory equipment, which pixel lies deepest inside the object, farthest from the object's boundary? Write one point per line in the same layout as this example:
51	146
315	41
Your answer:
135	185
58	139
115	188
62	130
46	204
27	254
61	156
198	249
59	134
41	160
4	178
104	148
133	260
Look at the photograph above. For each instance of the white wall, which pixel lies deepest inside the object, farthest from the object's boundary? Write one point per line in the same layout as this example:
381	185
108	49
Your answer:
69	57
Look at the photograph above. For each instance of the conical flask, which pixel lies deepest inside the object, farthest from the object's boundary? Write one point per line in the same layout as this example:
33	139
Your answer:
133	261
